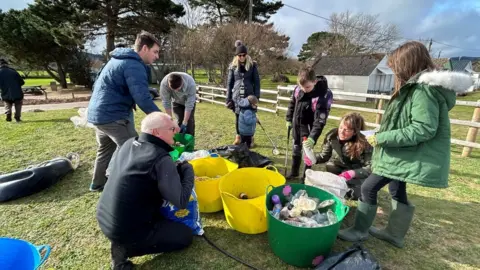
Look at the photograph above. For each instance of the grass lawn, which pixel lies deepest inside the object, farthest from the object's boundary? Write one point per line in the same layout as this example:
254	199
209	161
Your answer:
444	234
40	81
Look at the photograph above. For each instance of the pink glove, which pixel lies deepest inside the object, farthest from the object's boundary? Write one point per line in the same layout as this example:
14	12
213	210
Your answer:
348	175
307	161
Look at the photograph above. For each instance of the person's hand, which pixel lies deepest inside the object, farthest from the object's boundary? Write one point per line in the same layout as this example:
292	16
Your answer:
307	161
309	143
183	128
288	124
185	170
348	175
372	140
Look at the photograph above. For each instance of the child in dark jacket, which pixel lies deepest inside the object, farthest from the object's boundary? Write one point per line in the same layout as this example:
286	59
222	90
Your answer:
247	120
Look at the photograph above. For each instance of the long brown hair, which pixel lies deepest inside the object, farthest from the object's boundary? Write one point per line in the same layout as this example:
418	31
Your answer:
407	60
355	147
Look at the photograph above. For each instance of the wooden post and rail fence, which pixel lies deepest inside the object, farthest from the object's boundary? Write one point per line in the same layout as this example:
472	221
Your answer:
211	93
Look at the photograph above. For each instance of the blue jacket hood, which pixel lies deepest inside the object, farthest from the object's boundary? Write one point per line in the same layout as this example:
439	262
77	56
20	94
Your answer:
125	53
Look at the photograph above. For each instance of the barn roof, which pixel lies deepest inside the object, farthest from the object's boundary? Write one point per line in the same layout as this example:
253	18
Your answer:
346	65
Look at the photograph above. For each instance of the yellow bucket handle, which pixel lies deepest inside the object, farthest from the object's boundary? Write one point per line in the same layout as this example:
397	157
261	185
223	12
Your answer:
267	189
270	167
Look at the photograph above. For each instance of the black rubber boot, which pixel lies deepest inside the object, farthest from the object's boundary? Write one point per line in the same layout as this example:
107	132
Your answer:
9	117
295	170
305	173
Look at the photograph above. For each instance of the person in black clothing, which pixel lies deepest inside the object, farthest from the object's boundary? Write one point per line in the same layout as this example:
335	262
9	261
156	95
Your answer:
243	80
11	87
307	114
142	176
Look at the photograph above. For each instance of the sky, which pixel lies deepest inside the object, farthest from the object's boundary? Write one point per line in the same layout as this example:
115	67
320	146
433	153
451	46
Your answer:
451	22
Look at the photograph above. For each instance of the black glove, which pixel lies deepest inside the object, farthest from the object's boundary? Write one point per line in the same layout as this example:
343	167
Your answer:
185	170
230	105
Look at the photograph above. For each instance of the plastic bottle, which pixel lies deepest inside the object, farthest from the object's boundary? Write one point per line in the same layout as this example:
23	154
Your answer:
332	218
277	206
309	152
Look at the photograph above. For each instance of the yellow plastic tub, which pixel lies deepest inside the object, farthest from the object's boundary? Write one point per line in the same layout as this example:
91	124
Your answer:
208	194
248	216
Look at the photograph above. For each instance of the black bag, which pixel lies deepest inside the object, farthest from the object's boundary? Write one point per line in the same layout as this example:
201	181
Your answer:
241	155
354	258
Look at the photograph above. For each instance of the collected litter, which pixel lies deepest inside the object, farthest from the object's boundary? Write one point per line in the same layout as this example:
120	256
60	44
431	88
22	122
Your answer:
189	156
81	121
206	178
300	210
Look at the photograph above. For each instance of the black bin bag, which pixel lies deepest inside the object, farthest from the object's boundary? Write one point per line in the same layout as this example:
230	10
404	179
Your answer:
356	257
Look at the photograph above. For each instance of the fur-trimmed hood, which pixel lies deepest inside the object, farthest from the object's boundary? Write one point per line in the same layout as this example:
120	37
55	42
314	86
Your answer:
448	83
451	80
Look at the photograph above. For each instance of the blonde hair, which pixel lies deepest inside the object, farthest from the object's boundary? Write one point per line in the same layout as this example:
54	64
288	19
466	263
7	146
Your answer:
355	148
236	62
407	60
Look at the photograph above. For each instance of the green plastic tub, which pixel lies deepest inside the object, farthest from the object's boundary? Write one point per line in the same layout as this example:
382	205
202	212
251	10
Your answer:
299	246
188	142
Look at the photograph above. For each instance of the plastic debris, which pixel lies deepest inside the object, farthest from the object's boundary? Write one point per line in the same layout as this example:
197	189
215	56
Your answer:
300	210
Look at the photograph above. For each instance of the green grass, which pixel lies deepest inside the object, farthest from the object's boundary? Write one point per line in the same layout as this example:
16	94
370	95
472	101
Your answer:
40	81
444	234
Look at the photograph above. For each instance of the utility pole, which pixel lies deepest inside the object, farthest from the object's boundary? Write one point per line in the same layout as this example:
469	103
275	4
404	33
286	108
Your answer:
250	11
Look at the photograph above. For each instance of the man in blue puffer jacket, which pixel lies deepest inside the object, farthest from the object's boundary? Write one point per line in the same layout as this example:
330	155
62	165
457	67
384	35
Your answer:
121	84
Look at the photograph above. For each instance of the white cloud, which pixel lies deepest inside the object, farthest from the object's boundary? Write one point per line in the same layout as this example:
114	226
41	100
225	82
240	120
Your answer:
448	21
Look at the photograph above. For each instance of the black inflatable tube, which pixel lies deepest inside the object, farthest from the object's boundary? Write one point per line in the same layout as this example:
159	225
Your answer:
29	181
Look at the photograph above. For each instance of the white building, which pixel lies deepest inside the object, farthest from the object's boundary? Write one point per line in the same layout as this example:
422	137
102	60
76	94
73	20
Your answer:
359	74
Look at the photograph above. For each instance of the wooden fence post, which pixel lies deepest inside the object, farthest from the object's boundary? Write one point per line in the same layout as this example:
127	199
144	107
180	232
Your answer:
278	101
378	119
199	89
472	132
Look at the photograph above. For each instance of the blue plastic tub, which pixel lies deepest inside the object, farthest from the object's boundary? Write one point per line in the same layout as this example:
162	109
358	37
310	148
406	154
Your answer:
21	255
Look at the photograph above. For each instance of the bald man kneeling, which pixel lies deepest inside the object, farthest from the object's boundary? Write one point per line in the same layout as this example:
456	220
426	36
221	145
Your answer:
142	175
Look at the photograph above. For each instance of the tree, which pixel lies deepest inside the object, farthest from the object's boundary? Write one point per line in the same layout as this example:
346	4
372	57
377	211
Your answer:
476	66
30	39
323	43
193	17
223	11
117	19
215	49
360	33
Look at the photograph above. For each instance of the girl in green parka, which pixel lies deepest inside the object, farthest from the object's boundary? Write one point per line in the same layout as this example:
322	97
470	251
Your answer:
413	142
347	153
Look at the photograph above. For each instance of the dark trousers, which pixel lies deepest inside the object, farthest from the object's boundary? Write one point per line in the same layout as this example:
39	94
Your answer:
18	108
179	112
165	236
247	140
298	133
354	184
373	183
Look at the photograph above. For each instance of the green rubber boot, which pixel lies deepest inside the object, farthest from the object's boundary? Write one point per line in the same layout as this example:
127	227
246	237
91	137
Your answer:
398	224
364	217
